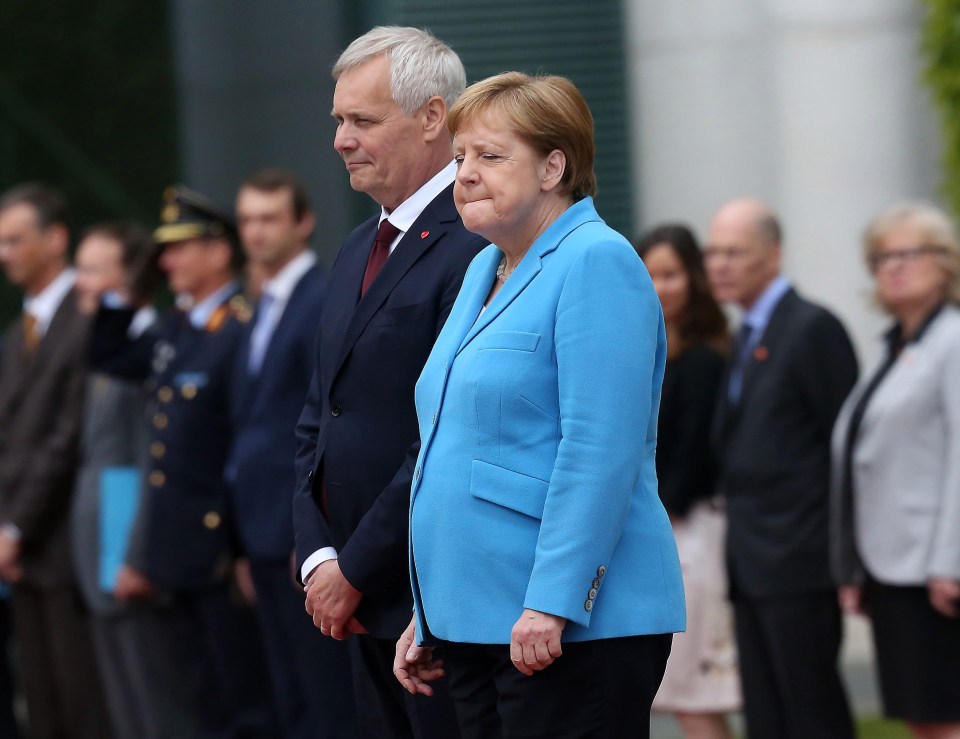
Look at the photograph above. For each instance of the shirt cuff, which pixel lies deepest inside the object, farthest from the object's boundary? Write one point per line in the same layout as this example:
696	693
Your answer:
317	558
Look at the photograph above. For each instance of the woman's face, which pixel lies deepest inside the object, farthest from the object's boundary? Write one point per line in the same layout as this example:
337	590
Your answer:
502	182
670	280
907	269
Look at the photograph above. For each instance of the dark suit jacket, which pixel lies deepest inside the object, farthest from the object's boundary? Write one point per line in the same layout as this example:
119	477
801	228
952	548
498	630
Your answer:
184	528
358	430
266	407
774	451
41	409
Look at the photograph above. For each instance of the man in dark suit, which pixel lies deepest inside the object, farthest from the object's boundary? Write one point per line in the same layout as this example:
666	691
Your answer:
791	368
184	523
41	397
310	674
389	292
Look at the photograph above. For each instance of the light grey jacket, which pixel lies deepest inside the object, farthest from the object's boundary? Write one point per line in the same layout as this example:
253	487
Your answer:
905	466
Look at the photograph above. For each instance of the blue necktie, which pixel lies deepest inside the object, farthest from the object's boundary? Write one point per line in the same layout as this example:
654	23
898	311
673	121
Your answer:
260	338
741	354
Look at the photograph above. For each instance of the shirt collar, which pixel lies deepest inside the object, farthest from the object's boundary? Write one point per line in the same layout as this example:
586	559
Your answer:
280	287
759	314
404	215
44	305
201	312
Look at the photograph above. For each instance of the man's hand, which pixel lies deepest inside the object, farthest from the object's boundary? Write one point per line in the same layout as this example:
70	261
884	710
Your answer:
535	641
331	601
944	595
10	570
414	666
131	584
851	600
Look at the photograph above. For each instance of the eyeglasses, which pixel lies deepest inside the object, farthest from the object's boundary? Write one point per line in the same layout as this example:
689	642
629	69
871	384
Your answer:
733	253
906	256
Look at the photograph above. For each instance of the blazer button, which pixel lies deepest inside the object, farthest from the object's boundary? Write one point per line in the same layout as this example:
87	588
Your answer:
160	420
596	582
157	479
588	605
158	449
592	594
601	571
335	411
211	519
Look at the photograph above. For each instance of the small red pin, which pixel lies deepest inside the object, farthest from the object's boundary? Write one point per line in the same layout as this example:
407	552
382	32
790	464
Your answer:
761	354
424	234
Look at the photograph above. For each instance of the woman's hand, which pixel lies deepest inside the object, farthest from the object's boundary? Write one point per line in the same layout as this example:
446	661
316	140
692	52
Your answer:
415	666
535	641
851	600
944	595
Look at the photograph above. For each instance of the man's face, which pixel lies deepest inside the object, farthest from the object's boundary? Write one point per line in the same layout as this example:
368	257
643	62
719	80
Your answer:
740	263
99	265
382	148
191	264
269	231
29	253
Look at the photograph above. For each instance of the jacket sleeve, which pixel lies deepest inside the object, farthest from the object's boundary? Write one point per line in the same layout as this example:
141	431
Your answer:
609	339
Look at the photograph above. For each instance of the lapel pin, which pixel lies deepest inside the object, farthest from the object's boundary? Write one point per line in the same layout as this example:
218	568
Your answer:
424	234
761	354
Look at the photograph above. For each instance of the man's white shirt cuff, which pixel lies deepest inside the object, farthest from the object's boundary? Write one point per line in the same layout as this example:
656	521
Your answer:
317	558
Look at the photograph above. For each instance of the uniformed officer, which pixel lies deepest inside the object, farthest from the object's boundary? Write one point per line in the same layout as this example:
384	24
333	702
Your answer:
186	532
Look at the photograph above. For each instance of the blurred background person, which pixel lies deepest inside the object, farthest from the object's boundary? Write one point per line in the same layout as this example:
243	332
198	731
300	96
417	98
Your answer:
185	524
310	674
701	683
536	530
117	277
42	384
896	505
790	369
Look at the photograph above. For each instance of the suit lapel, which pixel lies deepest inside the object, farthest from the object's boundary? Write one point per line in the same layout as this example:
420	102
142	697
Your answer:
769	344
422	235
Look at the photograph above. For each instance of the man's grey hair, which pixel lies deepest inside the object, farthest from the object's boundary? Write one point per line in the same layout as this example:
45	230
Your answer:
421	65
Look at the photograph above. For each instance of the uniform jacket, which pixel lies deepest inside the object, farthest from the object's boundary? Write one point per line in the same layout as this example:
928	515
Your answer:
41	410
774	451
905	525
536	483
358	430
266	407
185	522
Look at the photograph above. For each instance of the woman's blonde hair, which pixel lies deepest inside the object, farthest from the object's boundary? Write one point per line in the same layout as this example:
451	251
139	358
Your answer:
548	112
938	231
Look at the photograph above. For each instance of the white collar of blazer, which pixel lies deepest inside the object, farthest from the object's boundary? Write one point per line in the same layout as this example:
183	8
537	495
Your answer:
570	220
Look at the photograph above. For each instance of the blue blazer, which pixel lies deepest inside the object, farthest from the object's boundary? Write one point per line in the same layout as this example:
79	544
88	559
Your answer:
536	483
265	412
358	429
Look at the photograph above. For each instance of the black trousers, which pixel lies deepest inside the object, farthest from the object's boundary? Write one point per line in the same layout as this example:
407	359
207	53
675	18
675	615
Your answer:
310	672
789	648
600	688
387	711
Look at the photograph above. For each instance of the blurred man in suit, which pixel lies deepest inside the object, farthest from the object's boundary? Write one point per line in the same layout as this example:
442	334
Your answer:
389	292
185	523
42	383
310	675
791	368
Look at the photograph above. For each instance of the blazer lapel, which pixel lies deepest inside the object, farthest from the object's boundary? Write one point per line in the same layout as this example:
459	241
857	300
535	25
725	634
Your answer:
423	234
769	343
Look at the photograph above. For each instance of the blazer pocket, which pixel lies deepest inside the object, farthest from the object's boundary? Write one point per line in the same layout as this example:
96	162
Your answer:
509	489
398	315
522	341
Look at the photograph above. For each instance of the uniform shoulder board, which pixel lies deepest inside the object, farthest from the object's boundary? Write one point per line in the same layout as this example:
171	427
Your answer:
241	309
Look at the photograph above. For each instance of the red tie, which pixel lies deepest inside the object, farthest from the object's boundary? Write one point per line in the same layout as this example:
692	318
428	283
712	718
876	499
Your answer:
379	253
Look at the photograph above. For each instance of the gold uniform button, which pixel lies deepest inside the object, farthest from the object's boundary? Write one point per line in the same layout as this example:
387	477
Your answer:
165	394
211	519
158	449
157	478
189	391
160	420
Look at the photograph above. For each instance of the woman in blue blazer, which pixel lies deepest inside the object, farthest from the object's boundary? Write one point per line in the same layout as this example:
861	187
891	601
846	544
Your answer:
536	528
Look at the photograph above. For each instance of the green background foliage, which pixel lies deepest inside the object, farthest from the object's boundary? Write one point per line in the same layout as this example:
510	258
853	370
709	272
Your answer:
941	47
